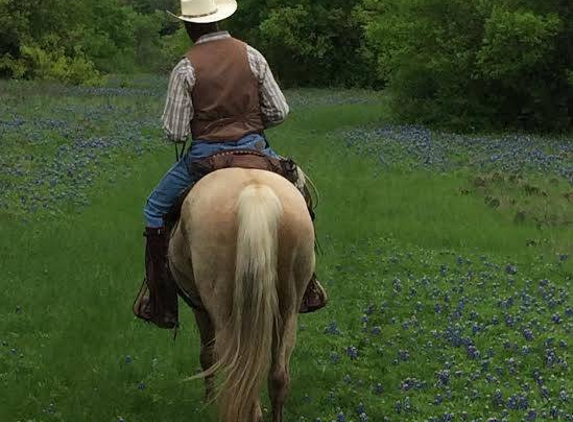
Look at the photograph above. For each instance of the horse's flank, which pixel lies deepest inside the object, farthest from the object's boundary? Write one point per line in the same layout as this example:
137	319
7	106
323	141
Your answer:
245	245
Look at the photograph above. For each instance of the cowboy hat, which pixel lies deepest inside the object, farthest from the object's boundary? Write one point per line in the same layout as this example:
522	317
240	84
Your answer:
206	11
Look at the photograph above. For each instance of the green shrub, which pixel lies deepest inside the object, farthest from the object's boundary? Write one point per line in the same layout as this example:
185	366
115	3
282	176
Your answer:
475	64
54	65
316	45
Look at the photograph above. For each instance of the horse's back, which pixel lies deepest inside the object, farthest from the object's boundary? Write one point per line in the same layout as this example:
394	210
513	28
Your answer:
211	204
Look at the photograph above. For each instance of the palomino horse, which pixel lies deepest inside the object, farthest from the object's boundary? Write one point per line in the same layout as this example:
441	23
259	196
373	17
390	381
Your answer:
245	246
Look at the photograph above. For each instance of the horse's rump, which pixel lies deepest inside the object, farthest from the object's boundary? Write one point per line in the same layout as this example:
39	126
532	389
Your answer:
251	293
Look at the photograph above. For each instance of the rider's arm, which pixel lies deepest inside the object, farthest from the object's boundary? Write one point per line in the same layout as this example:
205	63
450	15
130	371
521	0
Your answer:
274	107
178	106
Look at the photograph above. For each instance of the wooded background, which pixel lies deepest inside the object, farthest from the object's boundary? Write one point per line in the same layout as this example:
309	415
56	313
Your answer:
469	64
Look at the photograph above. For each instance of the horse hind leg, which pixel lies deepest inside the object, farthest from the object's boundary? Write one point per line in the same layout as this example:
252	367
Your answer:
258	416
207	356
279	377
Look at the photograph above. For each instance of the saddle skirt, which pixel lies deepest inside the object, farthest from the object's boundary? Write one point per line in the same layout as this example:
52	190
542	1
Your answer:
248	159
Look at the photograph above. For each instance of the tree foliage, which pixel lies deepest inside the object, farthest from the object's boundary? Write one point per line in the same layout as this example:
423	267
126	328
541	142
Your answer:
464	63
477	63
53	39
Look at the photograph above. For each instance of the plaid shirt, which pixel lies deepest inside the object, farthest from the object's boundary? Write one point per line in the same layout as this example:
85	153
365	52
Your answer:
179	107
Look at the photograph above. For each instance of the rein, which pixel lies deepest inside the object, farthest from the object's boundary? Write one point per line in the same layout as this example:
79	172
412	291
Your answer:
179	154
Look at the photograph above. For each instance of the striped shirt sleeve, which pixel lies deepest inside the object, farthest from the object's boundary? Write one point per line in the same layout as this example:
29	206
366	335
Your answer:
274	107
178	110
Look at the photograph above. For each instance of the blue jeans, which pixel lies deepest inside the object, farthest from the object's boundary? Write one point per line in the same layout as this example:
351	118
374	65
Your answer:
178	178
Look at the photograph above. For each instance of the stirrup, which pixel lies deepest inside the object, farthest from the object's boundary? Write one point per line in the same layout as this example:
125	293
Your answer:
315	297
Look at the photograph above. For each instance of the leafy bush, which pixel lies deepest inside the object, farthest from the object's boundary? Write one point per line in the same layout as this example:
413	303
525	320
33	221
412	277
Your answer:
56	65
51	39
470	64
316	45
475	64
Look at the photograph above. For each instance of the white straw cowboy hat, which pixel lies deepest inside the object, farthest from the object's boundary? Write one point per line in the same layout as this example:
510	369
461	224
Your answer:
206	11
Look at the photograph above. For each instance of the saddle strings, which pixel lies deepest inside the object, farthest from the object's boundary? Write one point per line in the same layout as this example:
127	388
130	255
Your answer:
179	155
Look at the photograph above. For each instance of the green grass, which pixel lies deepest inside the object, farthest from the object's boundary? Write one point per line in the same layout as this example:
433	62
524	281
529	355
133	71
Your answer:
70	348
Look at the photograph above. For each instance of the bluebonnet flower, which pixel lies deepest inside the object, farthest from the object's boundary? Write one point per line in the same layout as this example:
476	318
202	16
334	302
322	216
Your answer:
528	334
332	329
443	376
473	352
406	405
518	402
448	417
404	355
511	269
352	352
370	309
497	398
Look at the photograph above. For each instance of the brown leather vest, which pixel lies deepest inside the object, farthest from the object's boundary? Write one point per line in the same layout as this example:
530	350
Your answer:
226	93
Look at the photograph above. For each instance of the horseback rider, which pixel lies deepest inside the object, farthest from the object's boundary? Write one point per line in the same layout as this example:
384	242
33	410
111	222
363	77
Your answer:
224	95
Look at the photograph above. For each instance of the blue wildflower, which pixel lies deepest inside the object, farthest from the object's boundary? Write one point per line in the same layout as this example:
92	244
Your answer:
352	352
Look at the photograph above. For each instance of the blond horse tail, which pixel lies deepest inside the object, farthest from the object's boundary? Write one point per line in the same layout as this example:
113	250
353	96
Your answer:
244	346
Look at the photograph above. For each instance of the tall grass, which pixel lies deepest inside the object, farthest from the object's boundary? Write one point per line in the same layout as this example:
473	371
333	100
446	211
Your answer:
70	348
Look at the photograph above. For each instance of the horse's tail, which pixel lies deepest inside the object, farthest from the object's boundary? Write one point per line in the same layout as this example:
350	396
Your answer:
244	346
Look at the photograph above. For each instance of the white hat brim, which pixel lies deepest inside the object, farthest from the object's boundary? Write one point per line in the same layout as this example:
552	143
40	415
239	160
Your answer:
225	8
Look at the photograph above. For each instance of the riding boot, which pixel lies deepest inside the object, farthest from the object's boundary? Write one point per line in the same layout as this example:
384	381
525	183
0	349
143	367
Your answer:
157	298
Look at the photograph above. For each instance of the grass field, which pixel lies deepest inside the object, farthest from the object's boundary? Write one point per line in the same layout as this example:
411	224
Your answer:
447	259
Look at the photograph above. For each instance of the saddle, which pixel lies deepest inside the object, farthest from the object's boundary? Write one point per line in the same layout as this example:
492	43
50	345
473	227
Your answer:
248	159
